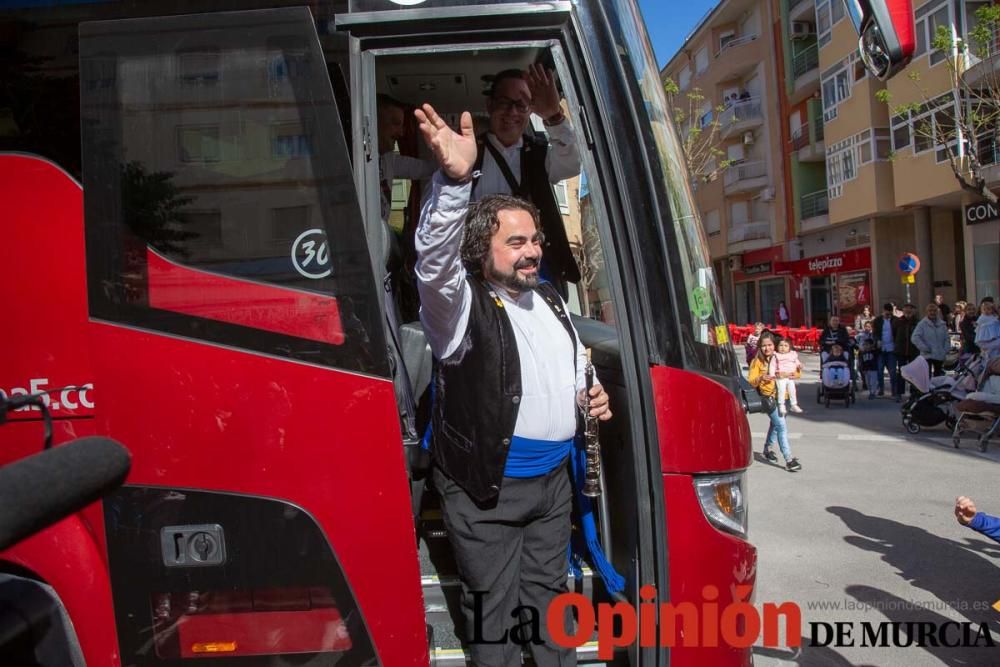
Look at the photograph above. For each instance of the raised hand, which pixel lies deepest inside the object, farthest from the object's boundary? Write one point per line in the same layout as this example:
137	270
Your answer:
454	152
965	510
544	95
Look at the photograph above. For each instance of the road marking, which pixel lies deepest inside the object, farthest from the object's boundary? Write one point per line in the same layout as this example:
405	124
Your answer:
870	437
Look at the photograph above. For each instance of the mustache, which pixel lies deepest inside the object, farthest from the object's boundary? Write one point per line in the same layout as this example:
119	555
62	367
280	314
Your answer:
525	263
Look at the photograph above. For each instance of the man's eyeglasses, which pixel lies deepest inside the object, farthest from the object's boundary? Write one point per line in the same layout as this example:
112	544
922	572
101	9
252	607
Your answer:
506	104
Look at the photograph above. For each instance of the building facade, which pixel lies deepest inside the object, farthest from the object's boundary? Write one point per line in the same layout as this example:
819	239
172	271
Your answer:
854	185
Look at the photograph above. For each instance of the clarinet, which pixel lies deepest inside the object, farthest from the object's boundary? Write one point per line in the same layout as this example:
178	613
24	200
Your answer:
592	473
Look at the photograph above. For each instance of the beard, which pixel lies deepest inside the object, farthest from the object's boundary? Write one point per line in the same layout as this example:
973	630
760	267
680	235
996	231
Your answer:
513	281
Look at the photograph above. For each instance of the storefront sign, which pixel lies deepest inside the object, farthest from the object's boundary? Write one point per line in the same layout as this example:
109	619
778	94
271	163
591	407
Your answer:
981	212
851	260
756	269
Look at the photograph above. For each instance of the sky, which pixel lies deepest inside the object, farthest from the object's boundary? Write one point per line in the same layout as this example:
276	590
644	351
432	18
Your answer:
669	22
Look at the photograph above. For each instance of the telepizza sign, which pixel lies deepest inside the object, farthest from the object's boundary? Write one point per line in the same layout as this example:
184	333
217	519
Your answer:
837	262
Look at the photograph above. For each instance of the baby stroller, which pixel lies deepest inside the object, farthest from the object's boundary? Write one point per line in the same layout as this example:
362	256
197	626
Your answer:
979	411
933	400
835	382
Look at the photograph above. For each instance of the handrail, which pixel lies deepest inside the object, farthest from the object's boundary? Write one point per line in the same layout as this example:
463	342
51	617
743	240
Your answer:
744	171
739	41
814	204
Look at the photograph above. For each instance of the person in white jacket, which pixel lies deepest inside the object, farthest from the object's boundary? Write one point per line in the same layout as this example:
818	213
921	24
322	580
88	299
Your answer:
931	338
988	330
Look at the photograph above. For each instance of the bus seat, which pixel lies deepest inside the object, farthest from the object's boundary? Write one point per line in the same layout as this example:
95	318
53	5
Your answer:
417	356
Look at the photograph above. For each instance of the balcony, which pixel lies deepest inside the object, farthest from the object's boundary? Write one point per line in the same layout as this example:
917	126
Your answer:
988	154
737	58
814	211
746	236
805	73
734	43
740	116
745	177
982	70
802	10
808	146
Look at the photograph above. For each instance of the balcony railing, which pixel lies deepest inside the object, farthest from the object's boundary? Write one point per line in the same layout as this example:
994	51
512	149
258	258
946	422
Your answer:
746	109
749	231
738	41
814	203
817	123
988	148
800	137
805	60
743	171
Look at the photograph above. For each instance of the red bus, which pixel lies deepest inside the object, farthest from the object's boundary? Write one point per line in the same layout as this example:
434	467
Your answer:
194	244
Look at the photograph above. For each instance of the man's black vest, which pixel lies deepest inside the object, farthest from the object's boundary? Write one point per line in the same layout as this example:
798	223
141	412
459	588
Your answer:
535	187
477	392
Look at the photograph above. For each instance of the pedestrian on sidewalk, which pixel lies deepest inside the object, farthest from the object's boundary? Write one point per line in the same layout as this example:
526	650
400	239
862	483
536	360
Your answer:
932	340
988	329
968	328
884	331
761	378
906	351
787	368
869	367
965	512
752	340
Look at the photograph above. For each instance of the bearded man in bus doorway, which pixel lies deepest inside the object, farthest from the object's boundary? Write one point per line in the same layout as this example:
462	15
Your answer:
508	383
511	160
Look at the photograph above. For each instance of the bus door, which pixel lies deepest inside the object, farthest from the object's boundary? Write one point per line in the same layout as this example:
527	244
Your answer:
238	341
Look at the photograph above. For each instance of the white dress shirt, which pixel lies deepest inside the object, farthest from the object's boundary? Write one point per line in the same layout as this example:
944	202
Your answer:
549	384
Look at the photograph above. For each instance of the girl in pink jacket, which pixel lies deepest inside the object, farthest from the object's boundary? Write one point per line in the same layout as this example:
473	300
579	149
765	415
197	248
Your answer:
786	367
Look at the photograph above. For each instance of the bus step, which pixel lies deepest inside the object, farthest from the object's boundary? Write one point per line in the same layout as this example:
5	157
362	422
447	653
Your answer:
440	591
585	655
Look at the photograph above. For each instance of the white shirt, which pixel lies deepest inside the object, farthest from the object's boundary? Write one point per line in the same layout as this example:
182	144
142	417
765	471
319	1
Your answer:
392	165
562	161
549	384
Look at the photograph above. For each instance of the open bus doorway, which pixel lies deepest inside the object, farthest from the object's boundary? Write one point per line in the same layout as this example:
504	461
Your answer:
455	79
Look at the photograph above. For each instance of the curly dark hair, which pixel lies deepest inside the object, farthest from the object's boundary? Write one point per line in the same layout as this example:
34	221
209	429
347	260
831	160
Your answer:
483	221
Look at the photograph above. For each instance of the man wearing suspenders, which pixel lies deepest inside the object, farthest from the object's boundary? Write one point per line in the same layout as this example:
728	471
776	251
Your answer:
513	161
508	382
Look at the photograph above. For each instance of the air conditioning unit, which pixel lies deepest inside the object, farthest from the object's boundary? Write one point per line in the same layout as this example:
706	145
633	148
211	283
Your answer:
736	263
802	30
767	194
748	138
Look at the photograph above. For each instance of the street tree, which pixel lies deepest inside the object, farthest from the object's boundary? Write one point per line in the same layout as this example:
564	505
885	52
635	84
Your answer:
700	137
966	131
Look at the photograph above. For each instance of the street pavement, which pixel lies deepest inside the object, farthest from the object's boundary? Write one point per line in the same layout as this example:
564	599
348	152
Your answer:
866	532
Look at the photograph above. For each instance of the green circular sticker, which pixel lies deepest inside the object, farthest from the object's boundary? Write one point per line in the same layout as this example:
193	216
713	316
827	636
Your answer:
701	303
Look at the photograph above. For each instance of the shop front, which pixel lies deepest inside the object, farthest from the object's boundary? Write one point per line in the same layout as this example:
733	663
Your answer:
757	289
832	284
982	244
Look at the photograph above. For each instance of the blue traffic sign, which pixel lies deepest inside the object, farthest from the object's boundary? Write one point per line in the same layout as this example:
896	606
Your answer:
909	264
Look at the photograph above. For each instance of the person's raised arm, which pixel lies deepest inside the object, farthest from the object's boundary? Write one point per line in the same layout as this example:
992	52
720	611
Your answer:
562	160
445	298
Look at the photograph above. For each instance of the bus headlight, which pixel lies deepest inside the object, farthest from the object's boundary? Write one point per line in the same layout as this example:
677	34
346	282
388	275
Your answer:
723	498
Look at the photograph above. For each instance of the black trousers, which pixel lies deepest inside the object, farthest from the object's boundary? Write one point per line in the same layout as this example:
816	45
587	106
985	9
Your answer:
515	554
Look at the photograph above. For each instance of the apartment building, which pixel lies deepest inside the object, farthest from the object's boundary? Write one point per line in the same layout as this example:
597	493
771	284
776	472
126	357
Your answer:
730	58
889	187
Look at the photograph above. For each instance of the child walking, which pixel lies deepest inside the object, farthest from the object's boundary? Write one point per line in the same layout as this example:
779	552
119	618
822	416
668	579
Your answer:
869	367
786	367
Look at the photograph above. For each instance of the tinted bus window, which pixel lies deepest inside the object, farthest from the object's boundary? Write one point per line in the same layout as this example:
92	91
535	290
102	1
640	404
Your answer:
703	326
219	194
